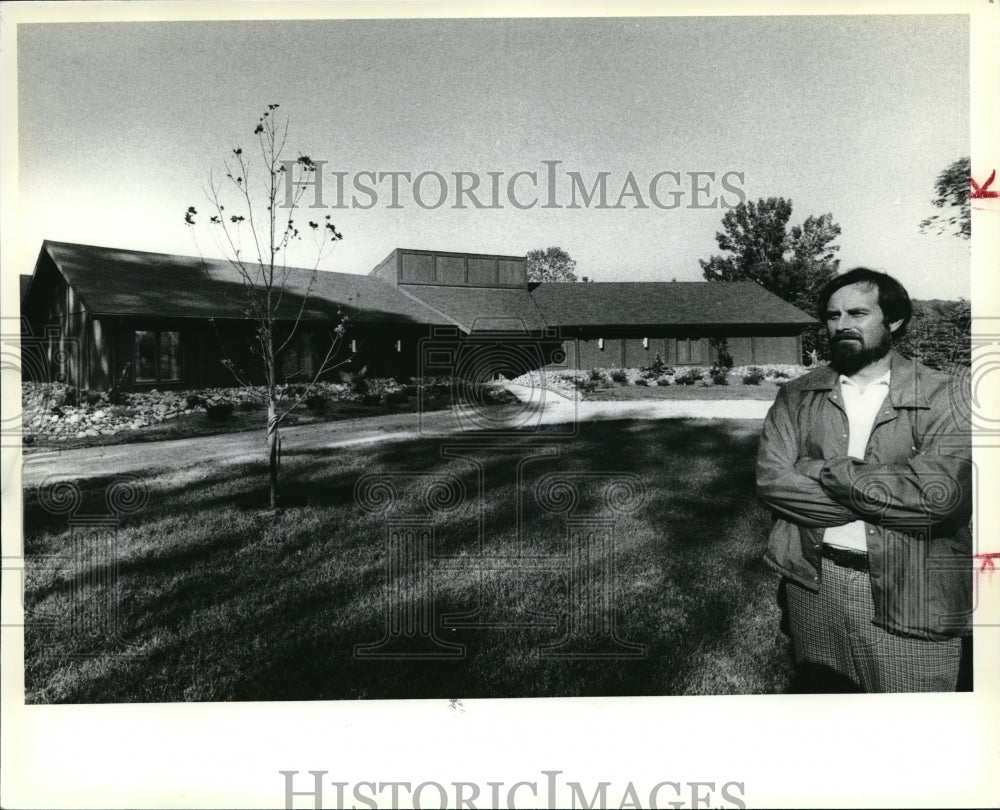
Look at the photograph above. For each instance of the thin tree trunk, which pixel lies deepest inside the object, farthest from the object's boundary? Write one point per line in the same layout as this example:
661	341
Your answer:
272	449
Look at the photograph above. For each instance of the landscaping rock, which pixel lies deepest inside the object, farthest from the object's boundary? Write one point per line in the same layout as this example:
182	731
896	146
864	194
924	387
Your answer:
55	410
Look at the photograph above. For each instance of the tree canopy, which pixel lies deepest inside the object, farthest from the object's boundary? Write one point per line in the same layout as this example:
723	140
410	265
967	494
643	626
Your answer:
793	263
952	189
939	334
790	262
551	264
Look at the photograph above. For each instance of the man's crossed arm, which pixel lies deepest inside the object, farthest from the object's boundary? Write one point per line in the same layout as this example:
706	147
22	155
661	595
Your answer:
934	485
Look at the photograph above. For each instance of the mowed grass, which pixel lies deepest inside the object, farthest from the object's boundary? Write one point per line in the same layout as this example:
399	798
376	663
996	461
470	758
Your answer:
219	603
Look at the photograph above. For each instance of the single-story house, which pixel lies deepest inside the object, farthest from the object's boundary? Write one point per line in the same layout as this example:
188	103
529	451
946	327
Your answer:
159	320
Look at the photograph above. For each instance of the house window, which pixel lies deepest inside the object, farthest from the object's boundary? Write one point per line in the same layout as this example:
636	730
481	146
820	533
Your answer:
298	359
689	350
157	356
600	344
645	343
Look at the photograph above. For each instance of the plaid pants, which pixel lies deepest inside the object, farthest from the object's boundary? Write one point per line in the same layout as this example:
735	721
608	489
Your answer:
832	632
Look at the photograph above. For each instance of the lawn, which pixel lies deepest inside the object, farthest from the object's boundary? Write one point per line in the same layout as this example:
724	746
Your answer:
216	602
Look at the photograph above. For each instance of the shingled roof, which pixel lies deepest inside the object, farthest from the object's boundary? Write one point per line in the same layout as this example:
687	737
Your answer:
112	281
493	309
675	303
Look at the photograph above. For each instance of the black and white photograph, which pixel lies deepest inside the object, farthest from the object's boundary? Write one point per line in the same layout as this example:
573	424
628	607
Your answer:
421	407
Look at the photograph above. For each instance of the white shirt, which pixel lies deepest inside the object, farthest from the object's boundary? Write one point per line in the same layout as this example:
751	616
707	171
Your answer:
862	407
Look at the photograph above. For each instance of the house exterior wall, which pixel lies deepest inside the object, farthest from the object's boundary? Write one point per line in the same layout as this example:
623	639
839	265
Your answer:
404	266
58	331
482	357
624	349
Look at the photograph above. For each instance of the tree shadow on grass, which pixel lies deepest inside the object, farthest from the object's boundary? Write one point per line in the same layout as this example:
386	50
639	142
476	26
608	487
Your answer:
245	618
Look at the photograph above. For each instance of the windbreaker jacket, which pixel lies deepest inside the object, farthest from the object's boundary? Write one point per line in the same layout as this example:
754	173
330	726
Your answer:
913	491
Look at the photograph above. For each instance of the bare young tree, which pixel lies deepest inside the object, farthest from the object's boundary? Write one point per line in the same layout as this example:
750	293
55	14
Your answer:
255	237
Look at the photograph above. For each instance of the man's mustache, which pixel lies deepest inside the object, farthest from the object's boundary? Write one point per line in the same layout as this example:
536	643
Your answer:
845	336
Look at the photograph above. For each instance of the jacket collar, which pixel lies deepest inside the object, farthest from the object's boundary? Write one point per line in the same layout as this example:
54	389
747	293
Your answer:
905	390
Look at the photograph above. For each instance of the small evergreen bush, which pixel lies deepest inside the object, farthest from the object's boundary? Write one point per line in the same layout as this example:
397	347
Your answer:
689	377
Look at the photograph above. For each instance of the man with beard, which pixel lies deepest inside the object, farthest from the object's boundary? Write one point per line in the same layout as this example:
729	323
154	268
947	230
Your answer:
866	466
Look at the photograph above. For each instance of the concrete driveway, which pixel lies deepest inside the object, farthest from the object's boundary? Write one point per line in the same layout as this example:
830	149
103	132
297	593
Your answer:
534	409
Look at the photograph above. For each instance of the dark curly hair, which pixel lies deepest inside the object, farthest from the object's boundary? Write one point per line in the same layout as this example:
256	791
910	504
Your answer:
892	296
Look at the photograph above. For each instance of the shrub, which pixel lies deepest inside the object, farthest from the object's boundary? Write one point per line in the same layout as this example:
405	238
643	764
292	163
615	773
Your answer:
753	376
118	396
689	377
651	374
779	374
193	401
92	397
432	388
719	375
393	399
219	411
619	376
722	352
664	381
597	379
71	397
495	395
316	401
642	381
657	368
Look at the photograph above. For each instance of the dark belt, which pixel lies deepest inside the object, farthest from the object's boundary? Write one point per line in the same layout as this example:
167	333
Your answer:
855	560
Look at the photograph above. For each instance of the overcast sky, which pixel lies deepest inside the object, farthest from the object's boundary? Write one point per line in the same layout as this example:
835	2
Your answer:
120	123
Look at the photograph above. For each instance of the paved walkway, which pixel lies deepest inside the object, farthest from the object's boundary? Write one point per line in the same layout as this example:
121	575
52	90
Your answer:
536	408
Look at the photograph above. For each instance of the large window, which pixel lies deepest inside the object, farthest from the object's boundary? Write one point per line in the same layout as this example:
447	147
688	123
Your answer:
688	350
299	359
157	356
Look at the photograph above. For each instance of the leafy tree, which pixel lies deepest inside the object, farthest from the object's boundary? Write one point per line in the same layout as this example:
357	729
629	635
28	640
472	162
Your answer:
755	234
952	188
551	264
939	334
248	225
793	263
